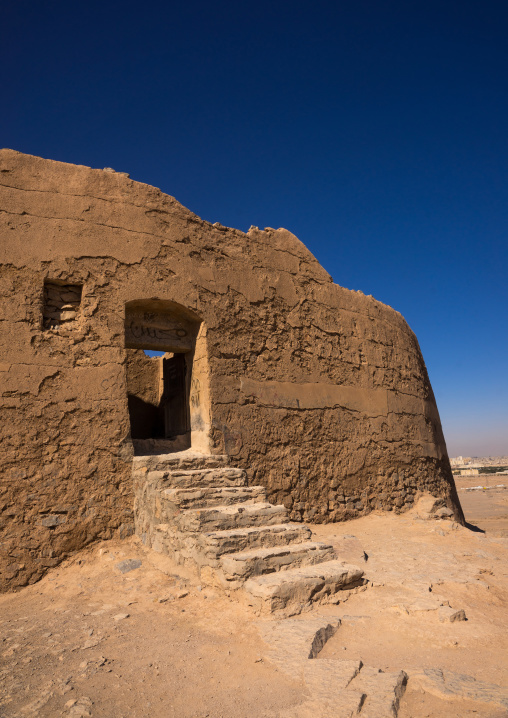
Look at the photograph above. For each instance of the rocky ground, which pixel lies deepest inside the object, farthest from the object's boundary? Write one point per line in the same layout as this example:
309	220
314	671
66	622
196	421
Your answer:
121	632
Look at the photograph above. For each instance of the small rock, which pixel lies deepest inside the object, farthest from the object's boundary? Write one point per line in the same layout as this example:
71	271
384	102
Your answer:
427	506
80	708
443	513
128	565
78	711
485	571
182	594
450	615
91	643
121	616
53	520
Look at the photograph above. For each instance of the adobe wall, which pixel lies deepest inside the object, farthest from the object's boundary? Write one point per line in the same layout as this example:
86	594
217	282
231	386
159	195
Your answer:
319	392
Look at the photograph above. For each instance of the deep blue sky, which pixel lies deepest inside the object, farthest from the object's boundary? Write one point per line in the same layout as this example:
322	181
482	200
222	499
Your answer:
376	131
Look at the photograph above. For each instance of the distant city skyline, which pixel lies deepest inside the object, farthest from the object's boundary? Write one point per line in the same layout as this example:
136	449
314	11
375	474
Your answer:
375	132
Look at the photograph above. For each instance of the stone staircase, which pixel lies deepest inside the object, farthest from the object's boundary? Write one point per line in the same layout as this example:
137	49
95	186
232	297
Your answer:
200	511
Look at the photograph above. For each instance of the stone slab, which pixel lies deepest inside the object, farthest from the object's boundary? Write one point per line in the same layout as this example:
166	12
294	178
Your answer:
455	686
383	691
222	518
345	705
218	543
293	642
128	565
244	564
299	587
206	496
180	461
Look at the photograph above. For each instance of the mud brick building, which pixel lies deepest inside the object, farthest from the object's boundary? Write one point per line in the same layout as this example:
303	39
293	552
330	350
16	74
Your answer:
319	393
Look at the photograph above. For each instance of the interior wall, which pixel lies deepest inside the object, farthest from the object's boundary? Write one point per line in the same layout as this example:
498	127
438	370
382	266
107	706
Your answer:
143	392
199	395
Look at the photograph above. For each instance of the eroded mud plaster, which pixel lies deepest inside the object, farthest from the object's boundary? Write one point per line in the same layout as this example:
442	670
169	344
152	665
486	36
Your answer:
320	393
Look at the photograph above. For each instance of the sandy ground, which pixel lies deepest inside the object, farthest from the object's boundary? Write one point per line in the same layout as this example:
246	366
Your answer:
149	642
89	640
486	508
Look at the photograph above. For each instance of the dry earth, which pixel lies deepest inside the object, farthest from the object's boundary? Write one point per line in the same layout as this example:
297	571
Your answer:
89	640
487	508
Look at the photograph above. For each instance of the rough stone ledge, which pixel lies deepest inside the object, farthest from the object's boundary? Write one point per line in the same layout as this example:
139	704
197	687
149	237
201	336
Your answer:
289	592
337	689
449	685
241	565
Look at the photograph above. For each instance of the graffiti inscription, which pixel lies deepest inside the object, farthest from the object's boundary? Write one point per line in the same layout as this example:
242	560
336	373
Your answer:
140	331
195	393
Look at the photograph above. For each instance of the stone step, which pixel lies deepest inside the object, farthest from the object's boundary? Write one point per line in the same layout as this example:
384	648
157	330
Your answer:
383	690
221	518
238	567
180	460
292	590
200	497
215	544
192	478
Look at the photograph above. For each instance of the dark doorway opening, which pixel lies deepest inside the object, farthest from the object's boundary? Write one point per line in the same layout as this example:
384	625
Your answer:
174	405
163	370
158	399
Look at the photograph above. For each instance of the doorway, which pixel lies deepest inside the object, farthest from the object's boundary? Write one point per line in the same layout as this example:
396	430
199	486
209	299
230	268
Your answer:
157	394
166	366
174	404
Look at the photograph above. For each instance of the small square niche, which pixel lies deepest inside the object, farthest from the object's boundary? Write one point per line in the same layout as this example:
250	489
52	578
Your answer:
61	303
